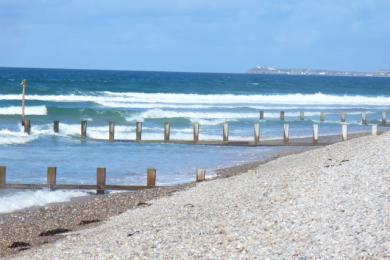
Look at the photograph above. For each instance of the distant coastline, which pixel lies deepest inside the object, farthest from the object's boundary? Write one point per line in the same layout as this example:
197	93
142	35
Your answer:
316	72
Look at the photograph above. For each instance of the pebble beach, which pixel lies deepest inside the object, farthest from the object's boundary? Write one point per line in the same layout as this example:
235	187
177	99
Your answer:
331	202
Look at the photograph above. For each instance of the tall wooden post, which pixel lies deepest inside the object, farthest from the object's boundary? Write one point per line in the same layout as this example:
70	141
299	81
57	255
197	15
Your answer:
27	126
384	120
167	131
225	132
83	129
322	116
196	132
256	133
100	180
302	115
56	126
151	178
364	118
261	115
315	133
138	131
374	129
24	85
200	175
344	132
285	133
51	178
111	131
343	117
3	171
281	115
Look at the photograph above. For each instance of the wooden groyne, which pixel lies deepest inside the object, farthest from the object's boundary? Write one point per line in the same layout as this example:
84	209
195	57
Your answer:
100	187
225	139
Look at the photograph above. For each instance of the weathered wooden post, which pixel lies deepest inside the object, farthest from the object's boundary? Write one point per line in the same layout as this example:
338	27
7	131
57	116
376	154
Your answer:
344	132
322	116
83	129
225	132
256	133
281	115
100	180
167	131
261	115
196	132
138	131
200	175
374	129
56	126
3	171
27	126
302	115
285	133
343	117
151	178
315	133
51	178
24	85
364	118
384	120
111	131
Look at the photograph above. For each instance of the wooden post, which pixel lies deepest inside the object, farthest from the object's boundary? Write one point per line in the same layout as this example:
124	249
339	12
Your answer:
100	180
225	132
302	115
56	126
374	129
256	133
322	116
27	126
285	133
151	178
261	114
200	175
384	120
167	131
364	118
51	178
138	131
344	132
24	85
315	133
83	129
111	131
3	171
281	115
343	117
196	132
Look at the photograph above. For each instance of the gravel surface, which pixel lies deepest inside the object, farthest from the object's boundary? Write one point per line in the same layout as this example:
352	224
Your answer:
332	202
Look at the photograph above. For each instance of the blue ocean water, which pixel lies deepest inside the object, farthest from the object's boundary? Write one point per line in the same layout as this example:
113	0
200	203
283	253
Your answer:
154	98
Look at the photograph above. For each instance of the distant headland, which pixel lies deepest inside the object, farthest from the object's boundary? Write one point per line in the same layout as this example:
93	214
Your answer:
316	72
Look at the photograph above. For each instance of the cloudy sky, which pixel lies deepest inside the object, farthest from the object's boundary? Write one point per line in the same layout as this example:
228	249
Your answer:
195	35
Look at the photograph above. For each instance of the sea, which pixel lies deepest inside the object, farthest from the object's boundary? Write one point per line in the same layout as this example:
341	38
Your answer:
125	97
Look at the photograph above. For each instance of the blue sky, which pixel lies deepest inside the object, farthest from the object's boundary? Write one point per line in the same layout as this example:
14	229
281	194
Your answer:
189	35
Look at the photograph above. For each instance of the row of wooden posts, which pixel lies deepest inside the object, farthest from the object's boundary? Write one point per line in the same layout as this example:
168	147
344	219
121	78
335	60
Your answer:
343	117
100	186
167	130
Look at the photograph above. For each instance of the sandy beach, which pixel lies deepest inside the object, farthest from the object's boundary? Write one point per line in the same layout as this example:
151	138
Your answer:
331	202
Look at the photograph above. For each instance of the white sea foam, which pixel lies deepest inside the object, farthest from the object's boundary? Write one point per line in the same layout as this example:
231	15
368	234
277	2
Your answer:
30	110
14	137
25	199
176	98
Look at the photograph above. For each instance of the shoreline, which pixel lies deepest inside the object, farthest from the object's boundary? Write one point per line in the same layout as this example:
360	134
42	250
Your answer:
26	225
83	212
